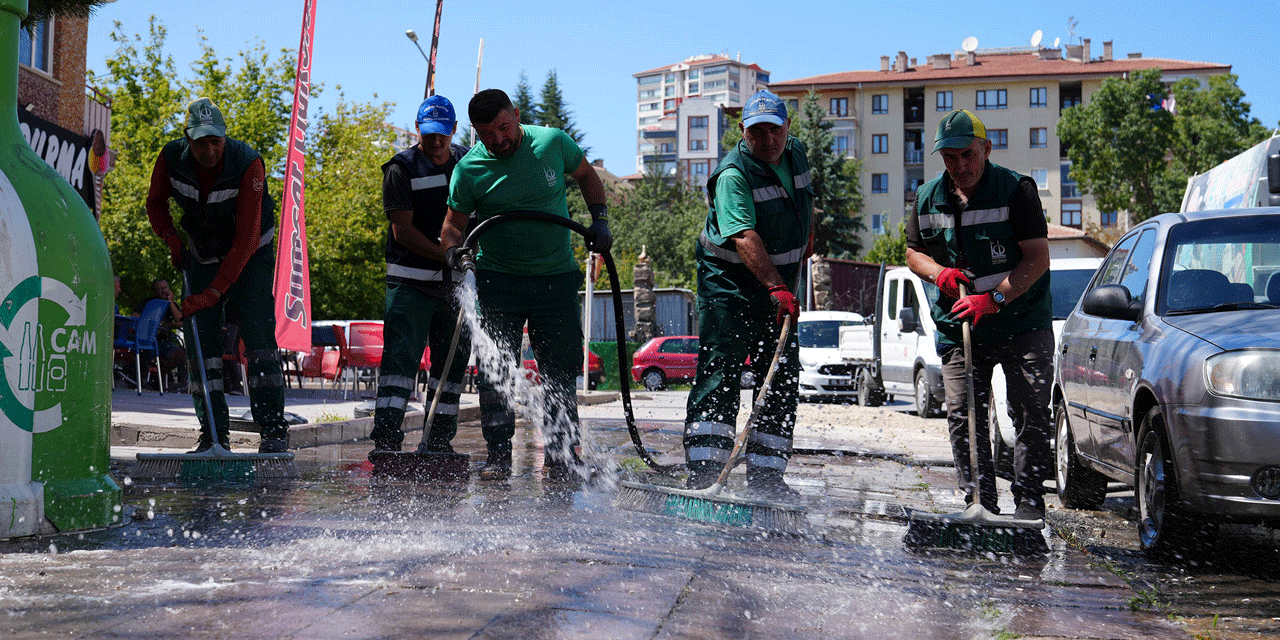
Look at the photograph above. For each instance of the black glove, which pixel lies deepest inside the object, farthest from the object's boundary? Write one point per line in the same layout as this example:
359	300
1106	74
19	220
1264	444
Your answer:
459	259
599	239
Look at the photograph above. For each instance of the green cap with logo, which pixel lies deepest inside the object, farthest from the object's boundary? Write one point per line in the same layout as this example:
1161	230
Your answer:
204	119
958	130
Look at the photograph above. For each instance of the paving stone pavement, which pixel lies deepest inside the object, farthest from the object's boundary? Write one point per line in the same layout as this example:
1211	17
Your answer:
341	553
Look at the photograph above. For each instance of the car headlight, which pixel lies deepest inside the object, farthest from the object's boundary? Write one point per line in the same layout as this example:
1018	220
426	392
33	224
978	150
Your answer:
1248	373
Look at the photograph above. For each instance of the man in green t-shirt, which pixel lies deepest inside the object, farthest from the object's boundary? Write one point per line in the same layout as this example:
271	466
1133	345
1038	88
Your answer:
758	234
525	271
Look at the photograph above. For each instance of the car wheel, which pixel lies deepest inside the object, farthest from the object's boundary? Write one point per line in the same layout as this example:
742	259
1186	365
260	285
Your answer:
869	394
1165	529
926	405
654	379
1079	487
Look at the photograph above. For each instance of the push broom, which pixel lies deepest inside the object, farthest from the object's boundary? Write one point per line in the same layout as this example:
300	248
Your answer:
975	528
715	504
216	462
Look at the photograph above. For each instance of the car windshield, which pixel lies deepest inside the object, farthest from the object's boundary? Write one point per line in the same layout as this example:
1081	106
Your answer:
823	334
1222	264
1065	287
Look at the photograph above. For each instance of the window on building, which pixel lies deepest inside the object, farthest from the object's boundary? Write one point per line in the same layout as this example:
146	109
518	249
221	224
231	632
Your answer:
692	74
944	101
669	91
648	120
792	107
693	88
720	68
880	103
1039	138
762	78
668	147
1071	213
713	84
648	93
1041	176
698	122
1039	97
992	99
716	98
669	104
33	50
879	183
999	138
840	146
696	144
698	168
649	79
1107	218
1069	187
648	106
838	107
1070	100
877	223
671	77
880	143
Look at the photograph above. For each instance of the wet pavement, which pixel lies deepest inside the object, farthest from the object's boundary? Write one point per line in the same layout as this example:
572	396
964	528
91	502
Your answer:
341	553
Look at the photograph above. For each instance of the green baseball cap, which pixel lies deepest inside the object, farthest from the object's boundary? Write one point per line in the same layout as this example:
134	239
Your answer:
958	130
204	119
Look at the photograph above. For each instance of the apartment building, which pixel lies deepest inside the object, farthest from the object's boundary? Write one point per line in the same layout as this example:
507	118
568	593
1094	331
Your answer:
887	119
680	113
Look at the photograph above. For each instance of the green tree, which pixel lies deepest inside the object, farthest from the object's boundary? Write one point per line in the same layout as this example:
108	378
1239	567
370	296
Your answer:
732	133
1134	155
40	10
837	198
523	100
554	112
661	217
890	248
147	101
346	229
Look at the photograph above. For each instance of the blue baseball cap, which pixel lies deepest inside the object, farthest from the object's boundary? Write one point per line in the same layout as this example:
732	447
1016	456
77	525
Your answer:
436	115
764	107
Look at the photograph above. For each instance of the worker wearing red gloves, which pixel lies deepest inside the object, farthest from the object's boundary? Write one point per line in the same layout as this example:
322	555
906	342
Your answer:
229	223
979	233
758	234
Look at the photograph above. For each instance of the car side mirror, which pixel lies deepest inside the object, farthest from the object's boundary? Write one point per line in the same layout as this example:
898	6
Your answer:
907	322
1111	301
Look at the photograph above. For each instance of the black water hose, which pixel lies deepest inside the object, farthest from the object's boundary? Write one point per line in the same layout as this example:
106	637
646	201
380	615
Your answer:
624	380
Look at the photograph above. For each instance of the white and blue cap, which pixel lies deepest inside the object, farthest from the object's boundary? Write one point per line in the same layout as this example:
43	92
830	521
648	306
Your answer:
764	107
436	115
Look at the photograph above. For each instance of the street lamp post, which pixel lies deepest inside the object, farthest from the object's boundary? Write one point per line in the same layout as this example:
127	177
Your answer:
413	36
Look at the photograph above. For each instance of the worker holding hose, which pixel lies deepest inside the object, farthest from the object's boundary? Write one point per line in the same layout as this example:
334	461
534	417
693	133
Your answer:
421	307
978	232
758	233
525	270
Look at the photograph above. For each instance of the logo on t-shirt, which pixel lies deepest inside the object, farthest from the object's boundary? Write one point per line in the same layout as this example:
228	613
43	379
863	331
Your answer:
998	253
552	176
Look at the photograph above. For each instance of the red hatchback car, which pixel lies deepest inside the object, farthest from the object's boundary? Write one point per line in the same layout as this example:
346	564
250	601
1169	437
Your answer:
665	359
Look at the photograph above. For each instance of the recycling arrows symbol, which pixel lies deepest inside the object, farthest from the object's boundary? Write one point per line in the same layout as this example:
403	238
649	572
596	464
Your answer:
33	288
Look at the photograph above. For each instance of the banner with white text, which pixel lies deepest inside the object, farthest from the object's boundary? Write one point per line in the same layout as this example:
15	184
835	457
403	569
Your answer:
293	272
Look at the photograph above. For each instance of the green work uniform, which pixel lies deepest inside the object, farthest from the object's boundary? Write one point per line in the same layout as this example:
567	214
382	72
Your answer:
421	309
736	313
209	219
526	273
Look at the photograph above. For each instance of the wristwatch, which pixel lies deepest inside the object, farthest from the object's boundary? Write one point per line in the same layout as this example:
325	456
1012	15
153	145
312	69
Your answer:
998	298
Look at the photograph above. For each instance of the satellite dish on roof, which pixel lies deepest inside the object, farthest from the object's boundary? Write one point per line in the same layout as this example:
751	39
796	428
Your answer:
969	45
1036	37
1055	42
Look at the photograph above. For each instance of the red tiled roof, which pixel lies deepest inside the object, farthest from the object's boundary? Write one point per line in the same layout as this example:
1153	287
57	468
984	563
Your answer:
697	63
1001	66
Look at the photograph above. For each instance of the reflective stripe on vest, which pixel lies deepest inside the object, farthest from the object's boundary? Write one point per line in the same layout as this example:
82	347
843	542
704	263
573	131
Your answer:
803	180
413	273
765	194
428	182
789	257
967	218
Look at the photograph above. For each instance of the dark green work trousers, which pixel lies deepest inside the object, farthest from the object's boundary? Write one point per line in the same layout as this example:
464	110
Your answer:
414	320
549	304
730	335
253	307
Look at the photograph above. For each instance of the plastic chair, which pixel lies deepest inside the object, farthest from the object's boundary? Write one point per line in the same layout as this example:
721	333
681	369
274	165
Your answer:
148	324
124	346
323	362
364	351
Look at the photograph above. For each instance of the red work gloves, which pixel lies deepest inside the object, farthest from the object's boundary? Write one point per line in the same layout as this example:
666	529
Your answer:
949	282
200	301
975	307
175	250
785	301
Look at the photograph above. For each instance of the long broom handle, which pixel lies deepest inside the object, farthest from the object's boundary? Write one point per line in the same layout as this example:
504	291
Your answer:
740	442
444	375
975	472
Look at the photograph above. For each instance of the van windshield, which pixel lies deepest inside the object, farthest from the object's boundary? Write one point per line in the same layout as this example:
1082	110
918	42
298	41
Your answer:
822	334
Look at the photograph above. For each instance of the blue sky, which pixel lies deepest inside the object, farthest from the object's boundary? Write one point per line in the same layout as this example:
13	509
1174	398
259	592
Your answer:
595	46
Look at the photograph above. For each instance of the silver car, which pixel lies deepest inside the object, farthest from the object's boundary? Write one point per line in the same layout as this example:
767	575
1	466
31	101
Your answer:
1168	377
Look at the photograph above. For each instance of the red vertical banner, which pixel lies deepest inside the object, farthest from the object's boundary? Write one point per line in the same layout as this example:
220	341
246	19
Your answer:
293	274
